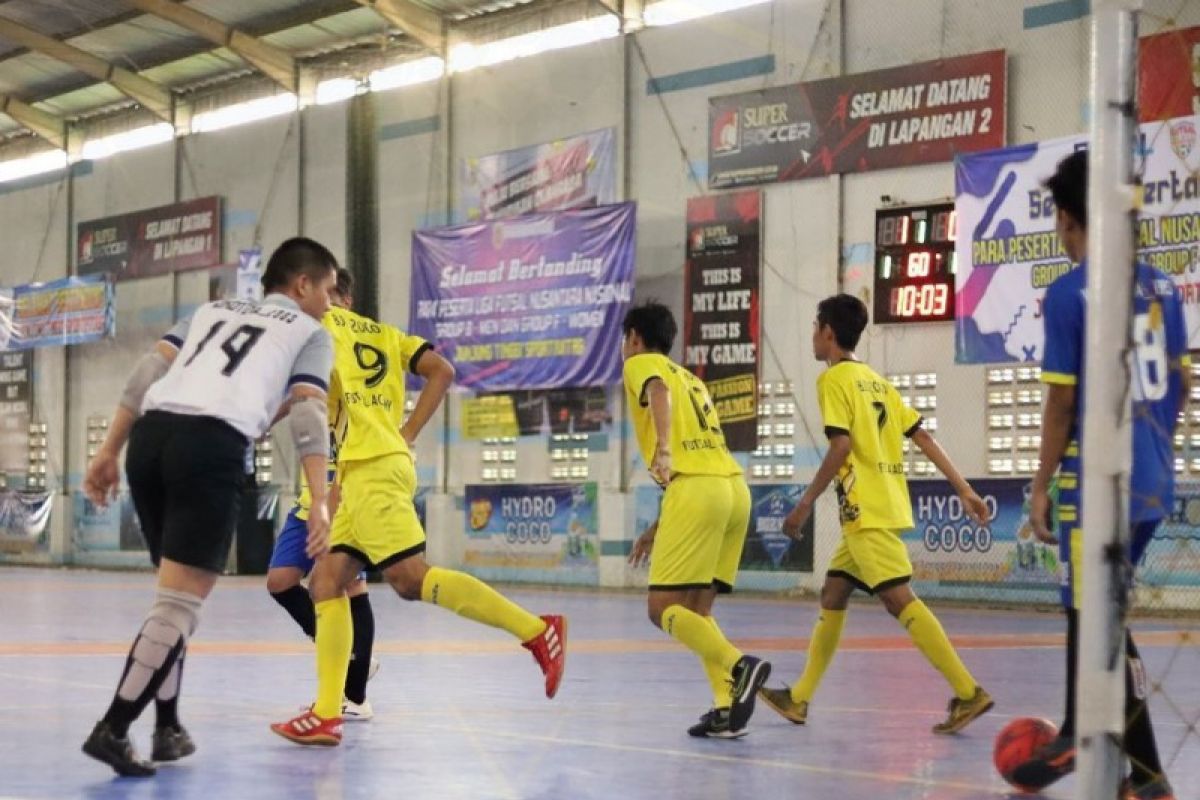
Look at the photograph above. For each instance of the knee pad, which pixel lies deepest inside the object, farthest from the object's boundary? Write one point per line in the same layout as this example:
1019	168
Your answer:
180	610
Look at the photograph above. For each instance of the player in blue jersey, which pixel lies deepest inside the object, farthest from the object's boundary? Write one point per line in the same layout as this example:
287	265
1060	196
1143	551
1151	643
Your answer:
1159	386
290	564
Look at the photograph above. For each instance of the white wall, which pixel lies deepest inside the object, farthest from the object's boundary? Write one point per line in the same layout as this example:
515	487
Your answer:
815	231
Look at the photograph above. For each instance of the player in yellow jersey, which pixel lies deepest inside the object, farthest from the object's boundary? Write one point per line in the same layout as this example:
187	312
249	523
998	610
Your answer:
865	418
696	545
290	564
376	522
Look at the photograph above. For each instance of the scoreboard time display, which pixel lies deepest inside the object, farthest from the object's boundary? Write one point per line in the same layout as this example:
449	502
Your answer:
915	263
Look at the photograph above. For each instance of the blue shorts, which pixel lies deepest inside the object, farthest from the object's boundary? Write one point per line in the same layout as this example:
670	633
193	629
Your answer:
289	545
1070	553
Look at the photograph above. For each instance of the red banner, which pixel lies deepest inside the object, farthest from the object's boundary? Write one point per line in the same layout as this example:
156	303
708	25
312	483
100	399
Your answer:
1169	75
154	241
915	114
722	308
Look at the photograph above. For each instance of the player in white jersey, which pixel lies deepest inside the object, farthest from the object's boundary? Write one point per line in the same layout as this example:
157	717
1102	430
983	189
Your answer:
189	411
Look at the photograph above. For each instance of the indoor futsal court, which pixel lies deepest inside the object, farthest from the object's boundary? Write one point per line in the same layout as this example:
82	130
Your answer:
571	399
459	712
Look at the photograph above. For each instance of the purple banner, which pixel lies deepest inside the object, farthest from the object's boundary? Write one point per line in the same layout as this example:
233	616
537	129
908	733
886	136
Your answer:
532	302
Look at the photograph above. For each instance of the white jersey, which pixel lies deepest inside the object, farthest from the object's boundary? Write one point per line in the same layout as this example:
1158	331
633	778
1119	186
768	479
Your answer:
238	359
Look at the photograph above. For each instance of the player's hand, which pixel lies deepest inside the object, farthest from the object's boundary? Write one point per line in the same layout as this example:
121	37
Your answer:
976	509
660	467
102	479
317	543
793	523
1039	516
639	556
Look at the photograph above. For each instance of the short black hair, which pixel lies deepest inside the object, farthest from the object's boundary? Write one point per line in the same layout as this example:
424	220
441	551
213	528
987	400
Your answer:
1069	186
846	315
655	323
345	282
297	256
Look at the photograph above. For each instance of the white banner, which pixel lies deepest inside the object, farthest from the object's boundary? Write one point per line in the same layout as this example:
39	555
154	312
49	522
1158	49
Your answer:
1008	253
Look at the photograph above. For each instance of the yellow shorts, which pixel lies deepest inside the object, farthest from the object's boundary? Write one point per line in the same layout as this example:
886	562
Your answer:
872	559
376	521
701	531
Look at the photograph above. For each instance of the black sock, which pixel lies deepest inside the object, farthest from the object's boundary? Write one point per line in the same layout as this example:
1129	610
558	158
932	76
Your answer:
1068	726
122	712
1140	745
297	602
166	701
364	640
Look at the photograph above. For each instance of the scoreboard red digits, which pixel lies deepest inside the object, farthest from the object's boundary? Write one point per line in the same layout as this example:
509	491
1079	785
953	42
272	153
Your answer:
914	263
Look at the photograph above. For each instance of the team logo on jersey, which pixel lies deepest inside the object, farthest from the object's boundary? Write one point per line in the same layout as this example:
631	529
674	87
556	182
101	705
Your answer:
1183	138
727	133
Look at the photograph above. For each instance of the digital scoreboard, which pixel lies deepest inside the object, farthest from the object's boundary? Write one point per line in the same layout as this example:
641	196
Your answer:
915	263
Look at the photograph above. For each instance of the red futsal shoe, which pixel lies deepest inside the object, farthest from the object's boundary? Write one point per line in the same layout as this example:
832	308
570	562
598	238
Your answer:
549	650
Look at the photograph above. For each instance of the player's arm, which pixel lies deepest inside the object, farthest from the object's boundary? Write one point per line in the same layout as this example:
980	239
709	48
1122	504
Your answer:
308	402
835	457
103	474
439	376
973	504
1062	317
658	396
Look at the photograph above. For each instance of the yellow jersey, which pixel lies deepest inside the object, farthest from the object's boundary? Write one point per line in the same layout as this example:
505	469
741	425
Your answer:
366	392
871	488
697	443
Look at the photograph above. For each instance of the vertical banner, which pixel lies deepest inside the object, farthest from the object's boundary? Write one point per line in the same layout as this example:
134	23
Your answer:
1169	75
16	404
539	532
1007	251
575	172
722	307
1003	560
767	548
534	302
154	241
66	311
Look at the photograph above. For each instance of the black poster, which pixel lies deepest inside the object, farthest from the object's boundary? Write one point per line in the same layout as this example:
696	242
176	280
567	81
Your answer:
721	308
16	406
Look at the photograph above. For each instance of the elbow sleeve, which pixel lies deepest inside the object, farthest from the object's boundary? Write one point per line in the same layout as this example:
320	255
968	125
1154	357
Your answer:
310	427
146	372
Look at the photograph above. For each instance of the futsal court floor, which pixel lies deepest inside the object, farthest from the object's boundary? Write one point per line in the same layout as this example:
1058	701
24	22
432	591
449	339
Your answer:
460	711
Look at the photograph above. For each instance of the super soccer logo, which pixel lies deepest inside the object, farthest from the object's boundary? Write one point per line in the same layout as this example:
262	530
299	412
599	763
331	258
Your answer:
1183	138
726	133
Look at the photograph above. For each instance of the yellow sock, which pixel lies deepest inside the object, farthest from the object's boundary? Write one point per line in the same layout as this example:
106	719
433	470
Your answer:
718	678
825	637
703	639
470	597
931	640
335	637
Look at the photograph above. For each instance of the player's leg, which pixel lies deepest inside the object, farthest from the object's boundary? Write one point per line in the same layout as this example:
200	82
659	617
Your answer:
883	562
382	493
289	564
1145	767
362	664
792	703
322	724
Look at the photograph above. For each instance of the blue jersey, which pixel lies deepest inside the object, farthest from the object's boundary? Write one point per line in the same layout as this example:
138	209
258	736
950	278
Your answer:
1156	388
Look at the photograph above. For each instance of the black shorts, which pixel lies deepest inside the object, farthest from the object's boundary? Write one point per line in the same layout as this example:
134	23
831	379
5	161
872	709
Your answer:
186	475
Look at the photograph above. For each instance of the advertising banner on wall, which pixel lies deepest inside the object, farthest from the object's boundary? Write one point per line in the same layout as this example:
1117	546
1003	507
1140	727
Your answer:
915	114
574	172
66	311
721	315
527	303
1169	75
154	241
1007	252
16	405
534	532
24	518
1003	560
767	548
